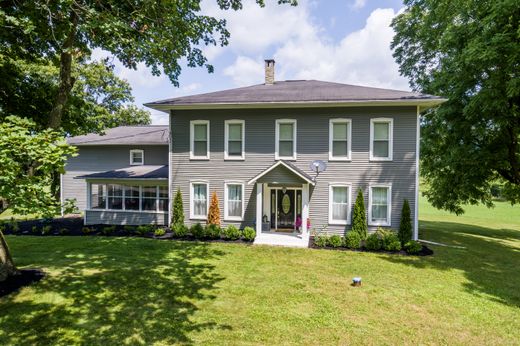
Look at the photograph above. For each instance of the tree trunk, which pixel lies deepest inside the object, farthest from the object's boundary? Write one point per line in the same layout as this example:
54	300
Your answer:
7	267
66	80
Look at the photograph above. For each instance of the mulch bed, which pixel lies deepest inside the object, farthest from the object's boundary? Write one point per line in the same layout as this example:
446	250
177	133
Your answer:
25	277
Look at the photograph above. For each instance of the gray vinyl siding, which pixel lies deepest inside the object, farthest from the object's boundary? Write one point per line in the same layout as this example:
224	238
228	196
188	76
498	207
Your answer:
109	217
312	144
281	175
94	159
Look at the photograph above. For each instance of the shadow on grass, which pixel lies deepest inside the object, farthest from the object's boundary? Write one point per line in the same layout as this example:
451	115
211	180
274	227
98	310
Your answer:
111	291
489	261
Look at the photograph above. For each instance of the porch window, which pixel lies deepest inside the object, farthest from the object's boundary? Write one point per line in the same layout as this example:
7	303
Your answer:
234	201
136	157
149	198
379	201
234	140
115	196
199	201
163	198
131	197
98	196
285	139
339	139
199	139
381	139
339	204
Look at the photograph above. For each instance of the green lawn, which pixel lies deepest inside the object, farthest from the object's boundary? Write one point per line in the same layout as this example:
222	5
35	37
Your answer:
103	291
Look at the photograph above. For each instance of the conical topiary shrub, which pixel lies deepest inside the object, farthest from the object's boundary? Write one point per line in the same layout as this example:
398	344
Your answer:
177	212
214	211
359	219
405	227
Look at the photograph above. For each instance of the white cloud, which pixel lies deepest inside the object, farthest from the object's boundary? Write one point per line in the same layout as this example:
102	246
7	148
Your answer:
142	77
362	57
359	4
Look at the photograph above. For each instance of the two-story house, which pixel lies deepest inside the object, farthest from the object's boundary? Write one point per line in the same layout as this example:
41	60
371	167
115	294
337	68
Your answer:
254	147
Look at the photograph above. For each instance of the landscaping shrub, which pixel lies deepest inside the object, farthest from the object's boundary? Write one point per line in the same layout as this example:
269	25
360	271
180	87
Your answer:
353	240
390	241
87	230
249	234
14	227
34	230
129	228
359	218
46	229
177	212
197	231
108	230
405	227
413	247
335	241
373	242
3	226
144	229
321	240
214	211
231	233
159	232
212	232
180	230
63	231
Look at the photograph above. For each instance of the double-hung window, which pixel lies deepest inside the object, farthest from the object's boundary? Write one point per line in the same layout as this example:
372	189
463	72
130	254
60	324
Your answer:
379	205
285	147
339	204
199	200
136	157
98	196
234	139
381	139
199	140
115	196
340	133
131	197
234	201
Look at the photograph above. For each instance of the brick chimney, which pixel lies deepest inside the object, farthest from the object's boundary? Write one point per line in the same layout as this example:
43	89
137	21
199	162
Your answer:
269	71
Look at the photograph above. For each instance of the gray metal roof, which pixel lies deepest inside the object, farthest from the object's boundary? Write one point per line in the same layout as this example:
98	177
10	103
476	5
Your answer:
125	135
308	91
133	172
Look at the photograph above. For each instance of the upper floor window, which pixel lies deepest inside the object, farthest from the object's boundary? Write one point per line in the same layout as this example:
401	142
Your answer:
381	139
285	147
234	201
340	133
136	157
199	139
234	137
339	203
199	200
379	205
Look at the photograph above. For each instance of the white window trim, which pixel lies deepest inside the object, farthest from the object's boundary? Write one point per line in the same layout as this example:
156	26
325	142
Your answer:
390	121
226	208
389	209
226	140
349	139
193	216
277	139
192	139
132	152
332	221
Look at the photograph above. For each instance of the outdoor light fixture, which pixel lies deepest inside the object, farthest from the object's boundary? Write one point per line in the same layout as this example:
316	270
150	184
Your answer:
284	189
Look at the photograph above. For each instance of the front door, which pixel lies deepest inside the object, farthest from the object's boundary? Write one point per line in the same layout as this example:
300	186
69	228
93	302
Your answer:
286	209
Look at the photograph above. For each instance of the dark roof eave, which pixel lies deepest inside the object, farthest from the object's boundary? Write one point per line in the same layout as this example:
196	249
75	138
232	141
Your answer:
424	103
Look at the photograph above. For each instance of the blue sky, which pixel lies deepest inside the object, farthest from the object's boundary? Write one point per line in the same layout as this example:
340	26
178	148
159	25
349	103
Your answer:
344	41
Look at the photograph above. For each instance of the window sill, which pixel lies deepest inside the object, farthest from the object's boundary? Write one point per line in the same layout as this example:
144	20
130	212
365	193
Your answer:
338	223
136	164
374	159
128	211
384	224
199	218
234	159
195	158
233	219
285	158
340	159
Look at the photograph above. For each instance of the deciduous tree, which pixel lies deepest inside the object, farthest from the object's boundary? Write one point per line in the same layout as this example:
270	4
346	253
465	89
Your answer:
468	52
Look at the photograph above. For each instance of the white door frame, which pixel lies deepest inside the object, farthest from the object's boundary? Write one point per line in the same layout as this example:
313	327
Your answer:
276	204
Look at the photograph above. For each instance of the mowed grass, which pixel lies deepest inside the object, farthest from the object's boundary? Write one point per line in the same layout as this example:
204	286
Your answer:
102	291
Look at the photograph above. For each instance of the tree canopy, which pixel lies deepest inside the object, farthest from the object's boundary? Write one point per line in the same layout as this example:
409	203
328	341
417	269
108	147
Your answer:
467	51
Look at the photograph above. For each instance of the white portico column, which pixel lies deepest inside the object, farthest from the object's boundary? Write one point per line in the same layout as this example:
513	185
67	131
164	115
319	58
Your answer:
305	209
259	203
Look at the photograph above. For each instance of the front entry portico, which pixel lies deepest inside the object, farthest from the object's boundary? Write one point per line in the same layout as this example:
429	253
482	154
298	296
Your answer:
282	205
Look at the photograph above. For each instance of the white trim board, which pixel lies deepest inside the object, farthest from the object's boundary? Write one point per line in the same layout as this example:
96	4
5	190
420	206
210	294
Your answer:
276	165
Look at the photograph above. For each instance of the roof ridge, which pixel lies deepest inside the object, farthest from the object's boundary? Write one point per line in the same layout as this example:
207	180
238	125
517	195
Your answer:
119	137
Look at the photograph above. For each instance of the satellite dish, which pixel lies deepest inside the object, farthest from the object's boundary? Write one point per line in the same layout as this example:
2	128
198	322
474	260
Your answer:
318	166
